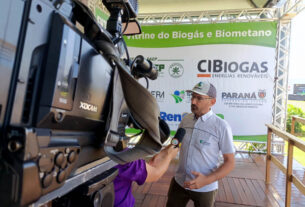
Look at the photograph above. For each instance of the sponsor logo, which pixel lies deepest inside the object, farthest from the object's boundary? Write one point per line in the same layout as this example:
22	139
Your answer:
182	96
152	58
87	107
160	68
172	117
240	96
261	94
244	99
204	142
178	96
221	116
159	95
176	70
235	69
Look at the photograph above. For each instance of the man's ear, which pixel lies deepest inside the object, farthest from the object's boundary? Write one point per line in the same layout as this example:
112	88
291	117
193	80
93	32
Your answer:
213	101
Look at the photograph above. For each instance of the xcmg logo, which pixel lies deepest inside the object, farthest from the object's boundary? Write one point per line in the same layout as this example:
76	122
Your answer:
172	117
223	69
87	107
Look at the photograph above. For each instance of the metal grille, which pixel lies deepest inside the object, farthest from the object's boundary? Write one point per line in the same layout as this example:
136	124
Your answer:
207	17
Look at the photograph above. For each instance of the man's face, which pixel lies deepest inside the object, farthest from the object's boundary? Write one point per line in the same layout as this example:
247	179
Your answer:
201	104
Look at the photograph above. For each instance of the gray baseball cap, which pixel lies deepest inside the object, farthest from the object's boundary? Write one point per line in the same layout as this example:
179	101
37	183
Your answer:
204	88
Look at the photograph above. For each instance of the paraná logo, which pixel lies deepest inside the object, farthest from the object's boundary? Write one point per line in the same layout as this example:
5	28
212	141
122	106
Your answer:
262	93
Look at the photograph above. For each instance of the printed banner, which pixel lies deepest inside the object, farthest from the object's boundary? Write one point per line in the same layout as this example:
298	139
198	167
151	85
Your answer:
238	58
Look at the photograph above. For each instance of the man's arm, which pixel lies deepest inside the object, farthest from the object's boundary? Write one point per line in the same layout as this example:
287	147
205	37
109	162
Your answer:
158	165
202	180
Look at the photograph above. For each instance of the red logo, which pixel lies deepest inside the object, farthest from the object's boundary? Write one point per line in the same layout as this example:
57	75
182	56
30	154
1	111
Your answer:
262	93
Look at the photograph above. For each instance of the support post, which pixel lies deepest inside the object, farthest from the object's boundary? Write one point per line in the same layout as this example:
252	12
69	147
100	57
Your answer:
292	125
289	173
268	156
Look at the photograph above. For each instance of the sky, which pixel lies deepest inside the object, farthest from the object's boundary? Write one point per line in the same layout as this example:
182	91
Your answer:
297	50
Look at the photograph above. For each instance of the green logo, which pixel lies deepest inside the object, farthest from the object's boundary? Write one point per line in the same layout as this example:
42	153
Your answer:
160	67
221	116
178	96
176	70
204	142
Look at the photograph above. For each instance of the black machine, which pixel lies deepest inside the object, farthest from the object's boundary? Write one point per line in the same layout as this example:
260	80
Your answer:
67	91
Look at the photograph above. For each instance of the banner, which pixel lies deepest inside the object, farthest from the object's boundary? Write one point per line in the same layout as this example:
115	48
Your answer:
237	58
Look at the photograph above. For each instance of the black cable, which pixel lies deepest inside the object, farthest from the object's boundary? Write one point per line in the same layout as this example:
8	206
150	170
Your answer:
122	33
134	121
136	124
126	51
147	83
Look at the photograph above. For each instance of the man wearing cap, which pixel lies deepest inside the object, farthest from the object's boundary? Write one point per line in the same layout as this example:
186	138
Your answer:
206	136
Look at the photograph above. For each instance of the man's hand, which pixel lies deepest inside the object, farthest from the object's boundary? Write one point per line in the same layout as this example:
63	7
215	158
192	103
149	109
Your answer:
202	180
199	181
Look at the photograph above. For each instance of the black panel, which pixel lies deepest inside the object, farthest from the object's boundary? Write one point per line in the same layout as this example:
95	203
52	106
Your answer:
75	83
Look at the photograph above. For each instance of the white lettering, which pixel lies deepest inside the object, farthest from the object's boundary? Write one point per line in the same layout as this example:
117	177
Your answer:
88	107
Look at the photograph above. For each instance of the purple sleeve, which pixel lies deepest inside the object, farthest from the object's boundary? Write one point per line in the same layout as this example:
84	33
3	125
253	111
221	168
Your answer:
133	171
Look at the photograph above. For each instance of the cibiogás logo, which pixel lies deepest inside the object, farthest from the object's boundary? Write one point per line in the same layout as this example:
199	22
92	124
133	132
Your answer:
232	69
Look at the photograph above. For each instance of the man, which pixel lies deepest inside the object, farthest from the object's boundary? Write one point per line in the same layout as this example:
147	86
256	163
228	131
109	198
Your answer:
140	172
206	136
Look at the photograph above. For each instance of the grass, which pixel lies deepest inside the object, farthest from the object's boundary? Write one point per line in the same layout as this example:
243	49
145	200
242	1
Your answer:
261	138
298	154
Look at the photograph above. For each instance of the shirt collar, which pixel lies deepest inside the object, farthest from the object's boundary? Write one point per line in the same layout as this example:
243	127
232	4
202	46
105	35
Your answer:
205	117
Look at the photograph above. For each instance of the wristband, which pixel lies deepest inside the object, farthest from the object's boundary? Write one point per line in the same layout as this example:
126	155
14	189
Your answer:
175	142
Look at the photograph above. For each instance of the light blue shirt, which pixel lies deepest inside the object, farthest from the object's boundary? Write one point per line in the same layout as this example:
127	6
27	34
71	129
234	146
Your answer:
204	139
